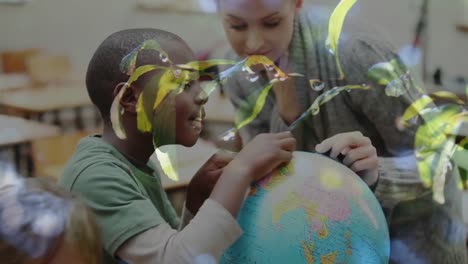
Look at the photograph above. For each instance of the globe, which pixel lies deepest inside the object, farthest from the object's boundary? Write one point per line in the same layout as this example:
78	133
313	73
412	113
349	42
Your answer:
315	210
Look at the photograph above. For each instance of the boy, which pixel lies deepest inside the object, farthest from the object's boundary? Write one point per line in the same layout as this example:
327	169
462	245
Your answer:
115	179
42	223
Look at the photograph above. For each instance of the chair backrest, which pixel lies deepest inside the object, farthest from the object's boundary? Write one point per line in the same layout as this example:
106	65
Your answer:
15	61
45	69
50	155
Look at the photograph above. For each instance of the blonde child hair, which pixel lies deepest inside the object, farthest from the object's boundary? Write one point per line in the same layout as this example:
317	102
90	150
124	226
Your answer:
37	218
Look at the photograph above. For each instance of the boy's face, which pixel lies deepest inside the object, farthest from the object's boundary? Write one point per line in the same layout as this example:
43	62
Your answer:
189	114
180	114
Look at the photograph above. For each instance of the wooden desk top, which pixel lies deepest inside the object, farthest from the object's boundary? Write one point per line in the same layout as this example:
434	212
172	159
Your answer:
187	162
13	81
39	100
14	130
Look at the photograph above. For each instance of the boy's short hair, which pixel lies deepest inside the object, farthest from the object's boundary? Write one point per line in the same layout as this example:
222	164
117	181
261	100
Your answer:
104	73
37	216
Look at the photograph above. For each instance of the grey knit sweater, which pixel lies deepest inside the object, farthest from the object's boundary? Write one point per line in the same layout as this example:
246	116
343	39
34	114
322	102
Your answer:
421	230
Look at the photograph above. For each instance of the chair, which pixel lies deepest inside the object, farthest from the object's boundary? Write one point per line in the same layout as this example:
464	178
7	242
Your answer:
15	61
50	155
44	69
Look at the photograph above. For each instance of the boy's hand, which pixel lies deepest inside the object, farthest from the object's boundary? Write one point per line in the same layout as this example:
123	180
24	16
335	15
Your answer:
265	153
359	154
205	178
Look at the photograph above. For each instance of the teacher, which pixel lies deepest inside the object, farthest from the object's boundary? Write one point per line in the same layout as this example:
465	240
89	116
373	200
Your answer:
421	230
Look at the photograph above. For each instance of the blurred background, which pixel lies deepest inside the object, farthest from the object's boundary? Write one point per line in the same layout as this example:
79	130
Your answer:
45	46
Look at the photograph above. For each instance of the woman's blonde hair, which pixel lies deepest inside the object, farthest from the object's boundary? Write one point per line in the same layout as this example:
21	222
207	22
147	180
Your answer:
36	216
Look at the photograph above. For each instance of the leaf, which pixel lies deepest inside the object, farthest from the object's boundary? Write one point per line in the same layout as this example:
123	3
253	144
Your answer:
448	96
335	26
116	114
456	122
266	62
395	88
322	99
224	75
440	171
437	122
143	122
151	44
127	64
295	74
330	94
460	157
164	90
416	107
204	65
145	105
142	70
169	83
166	165
424	168
154	45
382	73
260	102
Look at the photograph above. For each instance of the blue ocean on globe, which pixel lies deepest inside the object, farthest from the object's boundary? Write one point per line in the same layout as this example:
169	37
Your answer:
315	210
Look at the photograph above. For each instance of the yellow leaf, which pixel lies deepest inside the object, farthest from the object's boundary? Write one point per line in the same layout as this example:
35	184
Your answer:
415	108
203	65
116	114
143	123
266	62
260	102
335	26
142	70
167	84
448	95
166	165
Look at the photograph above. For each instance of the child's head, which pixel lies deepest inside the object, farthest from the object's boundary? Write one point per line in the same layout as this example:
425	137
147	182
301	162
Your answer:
42	223
176	120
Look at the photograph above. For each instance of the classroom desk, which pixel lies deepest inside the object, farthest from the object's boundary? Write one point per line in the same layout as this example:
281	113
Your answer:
13	81
15	130
17	133
40	100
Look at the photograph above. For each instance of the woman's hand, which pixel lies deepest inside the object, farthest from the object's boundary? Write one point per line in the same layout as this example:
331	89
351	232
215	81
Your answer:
359	154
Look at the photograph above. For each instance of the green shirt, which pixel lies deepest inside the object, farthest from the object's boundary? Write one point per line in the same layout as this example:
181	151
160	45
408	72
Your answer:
127	200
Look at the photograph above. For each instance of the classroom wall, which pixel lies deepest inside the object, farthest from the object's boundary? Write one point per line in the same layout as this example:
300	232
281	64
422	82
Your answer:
77	27
447	47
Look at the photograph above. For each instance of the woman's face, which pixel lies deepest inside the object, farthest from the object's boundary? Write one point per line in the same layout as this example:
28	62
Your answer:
259	27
